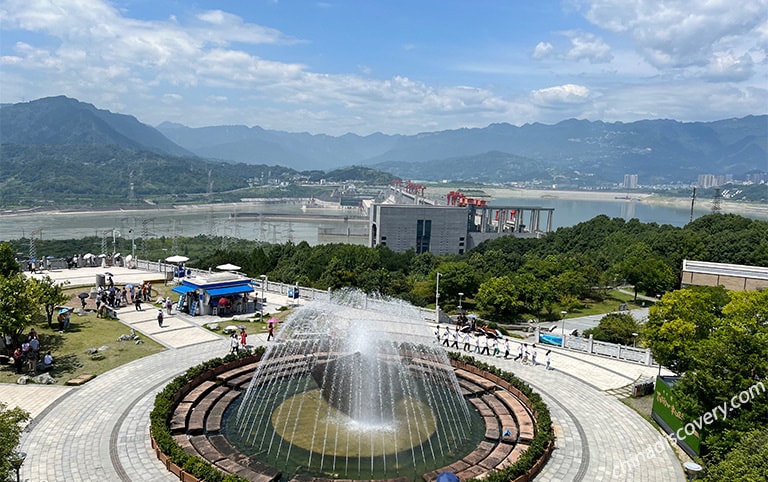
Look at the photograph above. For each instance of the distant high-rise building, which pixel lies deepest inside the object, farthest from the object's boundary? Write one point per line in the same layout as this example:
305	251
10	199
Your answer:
630	181
707	180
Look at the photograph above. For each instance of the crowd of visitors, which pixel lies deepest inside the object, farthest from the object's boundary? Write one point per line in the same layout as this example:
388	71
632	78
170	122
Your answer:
27	356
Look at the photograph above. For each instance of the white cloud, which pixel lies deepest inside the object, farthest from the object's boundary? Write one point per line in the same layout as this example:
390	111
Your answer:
542	50
587	46
685	33
561	95
725	67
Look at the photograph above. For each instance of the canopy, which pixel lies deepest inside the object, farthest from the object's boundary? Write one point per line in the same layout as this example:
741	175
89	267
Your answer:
230	290
228	267
176	259
182	289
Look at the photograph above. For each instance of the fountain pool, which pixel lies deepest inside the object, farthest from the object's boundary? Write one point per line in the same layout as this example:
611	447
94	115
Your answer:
354	388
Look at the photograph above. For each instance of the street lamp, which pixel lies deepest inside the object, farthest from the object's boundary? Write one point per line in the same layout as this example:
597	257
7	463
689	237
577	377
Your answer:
562	328
437	298
17	459
460	295
261	301
634	340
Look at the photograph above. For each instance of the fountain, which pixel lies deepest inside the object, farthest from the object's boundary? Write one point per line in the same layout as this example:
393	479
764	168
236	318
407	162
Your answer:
354	388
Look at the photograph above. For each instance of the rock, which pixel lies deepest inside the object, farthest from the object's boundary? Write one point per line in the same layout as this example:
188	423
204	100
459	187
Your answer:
139	341
44	379
91	351
22	380
97	356
103	348
230	329
212	326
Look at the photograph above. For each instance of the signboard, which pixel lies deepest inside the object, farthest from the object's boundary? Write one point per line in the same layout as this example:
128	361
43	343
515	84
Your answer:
667	415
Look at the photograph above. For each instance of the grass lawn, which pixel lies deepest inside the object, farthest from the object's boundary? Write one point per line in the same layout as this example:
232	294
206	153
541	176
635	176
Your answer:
68	349
611	303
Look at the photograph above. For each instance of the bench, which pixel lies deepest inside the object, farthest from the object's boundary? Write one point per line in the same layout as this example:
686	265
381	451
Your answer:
196	424
486	384
523	417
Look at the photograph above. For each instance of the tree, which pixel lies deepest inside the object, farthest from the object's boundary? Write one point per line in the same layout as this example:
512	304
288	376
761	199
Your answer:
50	294
615	328
18	304
11	425
679	320
747	461
498	298
8	264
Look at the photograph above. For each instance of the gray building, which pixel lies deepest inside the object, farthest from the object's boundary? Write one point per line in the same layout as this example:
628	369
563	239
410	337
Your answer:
450	229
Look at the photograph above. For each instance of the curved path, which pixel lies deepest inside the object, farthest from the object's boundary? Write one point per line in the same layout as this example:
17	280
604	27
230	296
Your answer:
99	431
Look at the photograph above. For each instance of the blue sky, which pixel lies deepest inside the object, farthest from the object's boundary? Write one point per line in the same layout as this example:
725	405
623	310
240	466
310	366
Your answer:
392	66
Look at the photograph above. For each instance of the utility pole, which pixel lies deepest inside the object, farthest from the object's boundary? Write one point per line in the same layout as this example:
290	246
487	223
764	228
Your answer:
693	201
437	298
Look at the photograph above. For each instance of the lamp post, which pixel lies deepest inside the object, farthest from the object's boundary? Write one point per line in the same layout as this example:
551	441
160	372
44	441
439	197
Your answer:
261	301
460	295
562	328
634	340
17	460
437	298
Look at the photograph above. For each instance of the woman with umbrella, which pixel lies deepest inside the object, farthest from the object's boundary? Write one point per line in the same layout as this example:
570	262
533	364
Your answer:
83	296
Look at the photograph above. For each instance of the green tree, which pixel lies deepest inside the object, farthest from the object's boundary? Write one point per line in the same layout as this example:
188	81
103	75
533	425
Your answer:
18	305
498	298
50	295
615	328
11	424
8	264
748	461
681	319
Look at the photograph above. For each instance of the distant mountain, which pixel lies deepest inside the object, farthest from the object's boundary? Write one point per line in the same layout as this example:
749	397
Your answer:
657	150
300	151
62	121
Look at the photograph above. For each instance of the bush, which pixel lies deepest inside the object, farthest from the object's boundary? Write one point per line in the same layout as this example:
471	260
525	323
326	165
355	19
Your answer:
159	420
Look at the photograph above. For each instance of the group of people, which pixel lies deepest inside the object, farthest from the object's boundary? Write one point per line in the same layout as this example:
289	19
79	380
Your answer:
235	343
29	354
486	345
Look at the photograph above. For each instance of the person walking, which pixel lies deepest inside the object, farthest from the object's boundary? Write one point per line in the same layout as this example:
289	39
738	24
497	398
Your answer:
160	318
137	303
506	348
270	331
534	355
446	336
467	340
519	352
234	343
455	343
243	338
548	359
485	347
168	304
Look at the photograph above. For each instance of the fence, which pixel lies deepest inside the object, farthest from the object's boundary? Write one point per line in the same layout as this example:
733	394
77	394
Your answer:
595	347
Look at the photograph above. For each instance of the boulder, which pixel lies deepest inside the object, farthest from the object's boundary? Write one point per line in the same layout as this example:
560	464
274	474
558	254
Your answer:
44	379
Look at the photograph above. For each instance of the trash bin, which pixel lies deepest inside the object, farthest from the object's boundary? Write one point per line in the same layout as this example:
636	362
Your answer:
101	280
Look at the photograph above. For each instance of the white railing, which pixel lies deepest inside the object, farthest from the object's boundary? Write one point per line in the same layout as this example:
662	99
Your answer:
612	350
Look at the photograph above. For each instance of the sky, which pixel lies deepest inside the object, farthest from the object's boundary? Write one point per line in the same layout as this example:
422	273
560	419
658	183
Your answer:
391	66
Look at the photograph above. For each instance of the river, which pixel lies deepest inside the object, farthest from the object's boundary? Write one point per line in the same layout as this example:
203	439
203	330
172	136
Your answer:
280	222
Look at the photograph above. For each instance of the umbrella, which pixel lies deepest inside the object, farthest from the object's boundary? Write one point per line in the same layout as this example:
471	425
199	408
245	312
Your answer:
116	255
242	327
129	285
471	315
272	320
176	259
447	477
108	273
228	267
89	256
129	257
83	295
64	310
102	255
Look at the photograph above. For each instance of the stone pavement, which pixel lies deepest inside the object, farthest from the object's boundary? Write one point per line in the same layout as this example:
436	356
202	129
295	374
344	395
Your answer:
99	431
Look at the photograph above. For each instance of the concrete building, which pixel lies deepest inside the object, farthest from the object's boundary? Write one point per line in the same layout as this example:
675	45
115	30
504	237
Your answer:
451	229
630	181
732	277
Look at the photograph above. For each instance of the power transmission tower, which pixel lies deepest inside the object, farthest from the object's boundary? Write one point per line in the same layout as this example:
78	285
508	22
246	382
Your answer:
33	242
716	201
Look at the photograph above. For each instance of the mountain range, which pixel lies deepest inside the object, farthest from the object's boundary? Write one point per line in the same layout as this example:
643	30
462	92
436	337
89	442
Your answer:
576	151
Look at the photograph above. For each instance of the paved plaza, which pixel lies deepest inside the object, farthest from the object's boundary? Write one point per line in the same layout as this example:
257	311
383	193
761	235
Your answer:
100	431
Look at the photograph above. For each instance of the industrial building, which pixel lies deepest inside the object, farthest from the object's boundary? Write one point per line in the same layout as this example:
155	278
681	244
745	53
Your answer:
449	229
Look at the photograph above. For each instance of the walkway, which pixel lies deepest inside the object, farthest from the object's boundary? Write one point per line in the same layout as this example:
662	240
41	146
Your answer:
99	431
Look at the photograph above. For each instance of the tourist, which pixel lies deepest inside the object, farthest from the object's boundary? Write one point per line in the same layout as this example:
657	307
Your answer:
124	296
455	343
486	345
233	343
160	318
168	304
506	348
446	336
18	360
243	337
547	359
477	344
437	333
137	303
47	362
525	354
270	331
467	340
534	354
